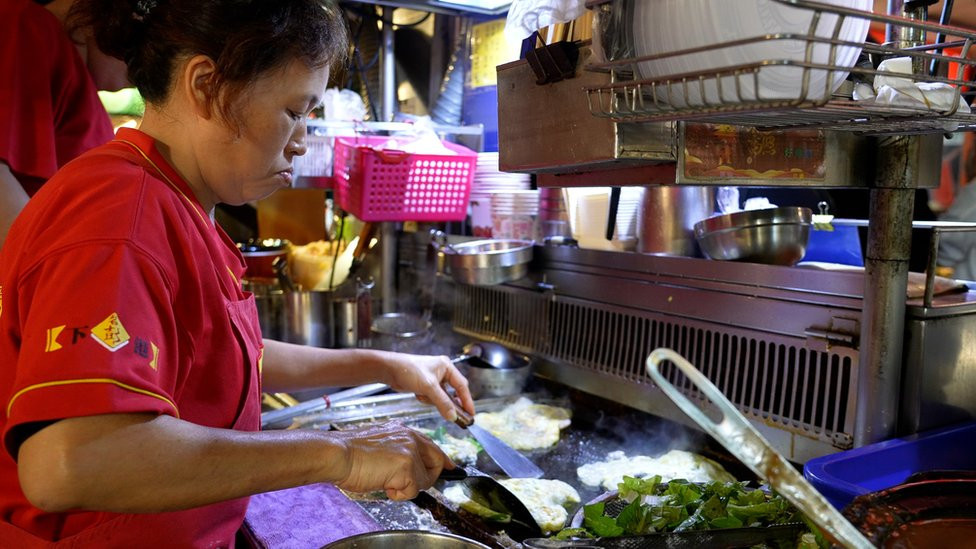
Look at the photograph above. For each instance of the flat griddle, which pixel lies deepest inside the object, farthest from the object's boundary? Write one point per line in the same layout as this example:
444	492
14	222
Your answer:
598	427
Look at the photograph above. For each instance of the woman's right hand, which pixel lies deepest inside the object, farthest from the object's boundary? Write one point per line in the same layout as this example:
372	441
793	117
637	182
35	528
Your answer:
390	457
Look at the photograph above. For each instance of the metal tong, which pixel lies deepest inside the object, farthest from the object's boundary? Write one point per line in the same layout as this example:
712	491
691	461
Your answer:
743	441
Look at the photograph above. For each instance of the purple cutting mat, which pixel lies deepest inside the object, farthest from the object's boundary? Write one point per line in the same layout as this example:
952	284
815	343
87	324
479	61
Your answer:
305	517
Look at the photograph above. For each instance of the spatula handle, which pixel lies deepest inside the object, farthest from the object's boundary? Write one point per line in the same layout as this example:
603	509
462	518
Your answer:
457	473
464	419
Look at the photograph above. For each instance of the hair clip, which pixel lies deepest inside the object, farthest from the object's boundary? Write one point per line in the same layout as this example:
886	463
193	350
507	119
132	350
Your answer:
143	7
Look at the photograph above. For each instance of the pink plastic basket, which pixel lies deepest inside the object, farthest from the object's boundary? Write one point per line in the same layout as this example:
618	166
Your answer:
388	185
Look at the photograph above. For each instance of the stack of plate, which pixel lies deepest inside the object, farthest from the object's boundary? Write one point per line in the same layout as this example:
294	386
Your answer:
663	26
488	180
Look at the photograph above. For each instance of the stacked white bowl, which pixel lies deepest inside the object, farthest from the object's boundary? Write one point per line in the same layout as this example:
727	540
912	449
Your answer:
662	26
488	180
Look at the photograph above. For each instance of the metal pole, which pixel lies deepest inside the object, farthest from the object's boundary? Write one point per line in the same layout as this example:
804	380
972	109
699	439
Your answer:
388	66
389	98
895	7
886	270
885	281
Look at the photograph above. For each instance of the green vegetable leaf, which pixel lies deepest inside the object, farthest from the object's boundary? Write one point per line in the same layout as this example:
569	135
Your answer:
761	513
636	518
712	509
595	521
632	488
573	533
752	497
680	505
682	493
694	522
725	522
670	516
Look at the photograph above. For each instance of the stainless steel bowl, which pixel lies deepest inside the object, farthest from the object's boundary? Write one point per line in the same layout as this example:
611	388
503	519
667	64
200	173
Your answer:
484	262
776	236
485	381
405	539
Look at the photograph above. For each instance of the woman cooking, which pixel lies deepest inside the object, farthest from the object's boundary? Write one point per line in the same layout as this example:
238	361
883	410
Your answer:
132	360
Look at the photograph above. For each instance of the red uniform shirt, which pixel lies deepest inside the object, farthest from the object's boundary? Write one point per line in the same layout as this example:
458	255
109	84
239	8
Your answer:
118	294
49	108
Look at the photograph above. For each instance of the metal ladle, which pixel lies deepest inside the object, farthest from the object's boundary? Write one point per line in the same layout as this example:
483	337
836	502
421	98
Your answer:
743	441
490	354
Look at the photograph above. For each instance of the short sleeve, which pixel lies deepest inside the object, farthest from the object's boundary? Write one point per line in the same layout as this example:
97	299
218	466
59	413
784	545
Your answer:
49	107
99	336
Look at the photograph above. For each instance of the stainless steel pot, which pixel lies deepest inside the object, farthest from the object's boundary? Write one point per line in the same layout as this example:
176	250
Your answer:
667	218
270	301
405	539
483	262
325	318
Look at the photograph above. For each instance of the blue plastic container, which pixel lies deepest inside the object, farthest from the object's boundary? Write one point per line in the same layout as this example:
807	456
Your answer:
843	476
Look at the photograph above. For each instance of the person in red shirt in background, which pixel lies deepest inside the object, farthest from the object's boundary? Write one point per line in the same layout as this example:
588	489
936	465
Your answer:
132	360
49	107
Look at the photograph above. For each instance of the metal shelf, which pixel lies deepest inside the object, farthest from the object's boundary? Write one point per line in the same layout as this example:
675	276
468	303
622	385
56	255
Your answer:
686	96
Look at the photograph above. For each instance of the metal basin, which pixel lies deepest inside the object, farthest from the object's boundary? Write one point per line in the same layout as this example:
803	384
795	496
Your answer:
775	236
485	262
405	539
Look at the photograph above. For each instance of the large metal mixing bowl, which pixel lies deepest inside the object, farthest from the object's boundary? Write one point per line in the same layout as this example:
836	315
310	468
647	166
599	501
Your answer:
483	262
776	236
405	539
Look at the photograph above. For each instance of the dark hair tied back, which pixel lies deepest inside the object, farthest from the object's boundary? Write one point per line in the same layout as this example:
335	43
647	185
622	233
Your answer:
246	39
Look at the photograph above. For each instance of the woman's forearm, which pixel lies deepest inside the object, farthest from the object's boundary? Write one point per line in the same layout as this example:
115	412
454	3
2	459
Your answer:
289	367
140	463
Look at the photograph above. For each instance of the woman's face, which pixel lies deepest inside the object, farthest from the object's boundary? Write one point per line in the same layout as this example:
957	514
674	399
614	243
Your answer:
256	160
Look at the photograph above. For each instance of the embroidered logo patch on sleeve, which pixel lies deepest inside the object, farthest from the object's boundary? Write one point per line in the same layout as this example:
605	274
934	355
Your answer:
52	339
110	333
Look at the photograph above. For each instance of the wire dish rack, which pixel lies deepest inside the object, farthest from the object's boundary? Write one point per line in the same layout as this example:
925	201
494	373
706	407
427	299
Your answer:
740	101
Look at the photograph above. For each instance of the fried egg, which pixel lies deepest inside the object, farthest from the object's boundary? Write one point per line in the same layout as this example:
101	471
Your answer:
549	501
524	425
672	465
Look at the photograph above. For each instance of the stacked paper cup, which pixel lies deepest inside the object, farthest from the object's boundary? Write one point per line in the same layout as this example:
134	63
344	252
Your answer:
553	217
514	214
488	180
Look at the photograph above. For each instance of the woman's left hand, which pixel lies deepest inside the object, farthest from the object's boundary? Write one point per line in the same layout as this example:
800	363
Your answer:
427	377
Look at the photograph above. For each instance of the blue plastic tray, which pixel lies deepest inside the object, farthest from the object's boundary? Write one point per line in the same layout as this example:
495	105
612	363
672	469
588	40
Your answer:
843	476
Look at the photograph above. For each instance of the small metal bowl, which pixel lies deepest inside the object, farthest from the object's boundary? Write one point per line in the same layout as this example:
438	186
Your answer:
775	236
485	381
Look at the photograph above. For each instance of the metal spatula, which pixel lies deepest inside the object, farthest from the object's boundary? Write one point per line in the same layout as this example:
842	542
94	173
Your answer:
522	525
743	441
508	459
